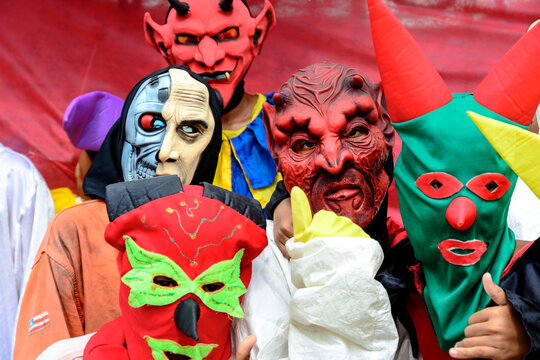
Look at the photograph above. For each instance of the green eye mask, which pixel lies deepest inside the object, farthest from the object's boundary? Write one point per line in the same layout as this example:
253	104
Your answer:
159	347
219	287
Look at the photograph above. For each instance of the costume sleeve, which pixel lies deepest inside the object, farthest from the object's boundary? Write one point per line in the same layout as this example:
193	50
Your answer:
339	310
51	307
280	193
522	287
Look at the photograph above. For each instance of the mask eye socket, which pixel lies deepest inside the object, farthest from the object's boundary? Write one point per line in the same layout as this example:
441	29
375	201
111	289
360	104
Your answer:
227	34
164	281
302	146
489	186
358	132
213	287
438	185
187	39
151	122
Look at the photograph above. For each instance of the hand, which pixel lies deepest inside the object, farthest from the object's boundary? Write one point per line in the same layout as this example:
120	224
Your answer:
283	225
495	332
243	349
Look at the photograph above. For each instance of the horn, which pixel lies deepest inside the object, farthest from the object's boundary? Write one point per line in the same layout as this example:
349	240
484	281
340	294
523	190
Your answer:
182	8
512	88
278	100
357	82
226	5
518	147
412	85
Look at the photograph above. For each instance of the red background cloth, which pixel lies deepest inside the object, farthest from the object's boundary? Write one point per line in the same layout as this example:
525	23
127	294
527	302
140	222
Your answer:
53	51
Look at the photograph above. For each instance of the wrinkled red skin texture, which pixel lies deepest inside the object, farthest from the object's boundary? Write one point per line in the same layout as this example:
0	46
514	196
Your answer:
206	20
349	140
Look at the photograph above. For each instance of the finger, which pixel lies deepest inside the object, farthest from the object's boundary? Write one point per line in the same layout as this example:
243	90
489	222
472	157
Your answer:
474	352
243	349
476	341
480	316
281	246
495	292
480	329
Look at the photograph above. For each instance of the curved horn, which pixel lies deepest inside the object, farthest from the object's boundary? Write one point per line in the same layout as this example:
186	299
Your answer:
512	88
518	147
278	99
412	85
182	8
226	5
357	82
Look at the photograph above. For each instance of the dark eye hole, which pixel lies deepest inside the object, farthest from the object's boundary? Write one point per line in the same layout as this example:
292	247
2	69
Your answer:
213	287
358	132
302	146
227	34
492	186
164	281
152	122
187	39
436	184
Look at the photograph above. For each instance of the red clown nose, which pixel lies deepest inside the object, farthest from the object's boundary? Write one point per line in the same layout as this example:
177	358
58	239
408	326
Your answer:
461	213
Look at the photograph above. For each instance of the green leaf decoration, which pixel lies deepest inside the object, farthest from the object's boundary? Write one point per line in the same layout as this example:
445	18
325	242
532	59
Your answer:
159	347
147	265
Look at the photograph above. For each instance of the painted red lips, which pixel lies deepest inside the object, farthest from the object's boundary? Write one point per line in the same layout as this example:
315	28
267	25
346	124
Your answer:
448	247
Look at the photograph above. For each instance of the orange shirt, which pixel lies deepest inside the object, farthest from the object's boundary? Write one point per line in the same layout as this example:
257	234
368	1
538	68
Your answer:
74	283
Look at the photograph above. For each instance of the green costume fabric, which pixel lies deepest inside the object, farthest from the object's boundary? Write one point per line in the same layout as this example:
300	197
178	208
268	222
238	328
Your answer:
447	142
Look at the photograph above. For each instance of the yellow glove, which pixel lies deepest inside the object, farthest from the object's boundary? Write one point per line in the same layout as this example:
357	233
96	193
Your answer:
323	224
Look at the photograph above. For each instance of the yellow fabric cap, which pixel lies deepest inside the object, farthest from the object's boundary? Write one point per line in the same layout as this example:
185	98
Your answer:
518	147
62	197
323	224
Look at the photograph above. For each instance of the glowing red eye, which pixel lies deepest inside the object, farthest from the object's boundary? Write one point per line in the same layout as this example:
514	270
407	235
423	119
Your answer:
438	185
489	186
187	39
227	34
151	122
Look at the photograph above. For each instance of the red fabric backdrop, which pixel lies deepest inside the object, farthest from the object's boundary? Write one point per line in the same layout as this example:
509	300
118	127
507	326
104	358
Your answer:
55	50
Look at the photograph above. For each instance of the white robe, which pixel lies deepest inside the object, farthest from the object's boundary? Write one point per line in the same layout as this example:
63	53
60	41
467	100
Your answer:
26	208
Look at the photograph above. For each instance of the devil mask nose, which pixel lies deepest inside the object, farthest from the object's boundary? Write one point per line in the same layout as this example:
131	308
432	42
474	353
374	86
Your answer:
186	316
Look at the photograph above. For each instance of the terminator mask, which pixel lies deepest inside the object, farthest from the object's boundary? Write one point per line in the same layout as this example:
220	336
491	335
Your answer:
331	137
217	39
169	114
185	262
454	189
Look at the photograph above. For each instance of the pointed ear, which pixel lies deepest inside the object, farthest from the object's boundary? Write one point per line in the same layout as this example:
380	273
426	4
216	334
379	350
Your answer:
380	100
262	25
159	37
269	115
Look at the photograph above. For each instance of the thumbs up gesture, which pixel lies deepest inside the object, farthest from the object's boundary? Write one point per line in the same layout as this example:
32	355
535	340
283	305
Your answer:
495	332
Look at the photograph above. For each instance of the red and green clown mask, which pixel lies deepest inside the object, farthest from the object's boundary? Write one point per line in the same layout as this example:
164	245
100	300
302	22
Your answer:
454	189
217	39
185	262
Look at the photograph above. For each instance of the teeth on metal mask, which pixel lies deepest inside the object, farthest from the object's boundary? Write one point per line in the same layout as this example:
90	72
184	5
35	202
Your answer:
145	128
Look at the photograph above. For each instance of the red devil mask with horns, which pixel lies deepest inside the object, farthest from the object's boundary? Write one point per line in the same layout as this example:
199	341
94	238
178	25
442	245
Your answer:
217	39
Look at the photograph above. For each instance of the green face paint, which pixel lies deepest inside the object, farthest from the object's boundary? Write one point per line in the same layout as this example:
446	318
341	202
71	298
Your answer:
219	287
159	347
445	160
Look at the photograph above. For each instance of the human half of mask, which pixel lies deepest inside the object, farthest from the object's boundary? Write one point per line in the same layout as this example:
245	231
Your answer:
185	257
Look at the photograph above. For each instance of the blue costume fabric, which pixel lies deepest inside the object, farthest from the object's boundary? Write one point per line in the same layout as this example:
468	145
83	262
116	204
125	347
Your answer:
246	166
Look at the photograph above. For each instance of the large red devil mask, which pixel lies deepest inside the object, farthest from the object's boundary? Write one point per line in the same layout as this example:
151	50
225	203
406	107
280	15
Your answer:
217	39
185	261
332	138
